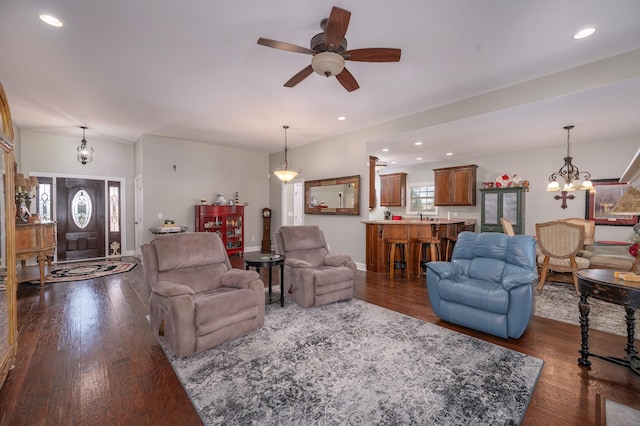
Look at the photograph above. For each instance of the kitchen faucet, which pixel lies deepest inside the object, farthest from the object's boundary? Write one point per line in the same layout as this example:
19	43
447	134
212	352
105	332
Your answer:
420	214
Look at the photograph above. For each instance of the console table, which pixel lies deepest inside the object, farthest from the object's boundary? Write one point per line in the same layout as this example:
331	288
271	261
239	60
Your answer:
36	240
601	284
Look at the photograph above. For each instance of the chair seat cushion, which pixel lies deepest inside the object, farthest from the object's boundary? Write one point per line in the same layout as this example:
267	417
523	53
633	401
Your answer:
611	261
582	262
222	307
483	295
327	275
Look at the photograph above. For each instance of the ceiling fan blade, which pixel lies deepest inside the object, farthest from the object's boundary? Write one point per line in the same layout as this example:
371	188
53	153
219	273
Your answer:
336	27
306	72
347	80
284	46
375	54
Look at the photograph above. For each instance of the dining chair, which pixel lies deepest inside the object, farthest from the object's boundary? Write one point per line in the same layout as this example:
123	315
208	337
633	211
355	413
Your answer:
559	242
507	227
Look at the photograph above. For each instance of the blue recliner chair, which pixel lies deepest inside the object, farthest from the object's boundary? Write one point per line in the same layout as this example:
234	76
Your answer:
488	285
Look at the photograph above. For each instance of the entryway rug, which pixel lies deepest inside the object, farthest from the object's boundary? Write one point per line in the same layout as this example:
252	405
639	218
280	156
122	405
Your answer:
357	363
86	270
559	301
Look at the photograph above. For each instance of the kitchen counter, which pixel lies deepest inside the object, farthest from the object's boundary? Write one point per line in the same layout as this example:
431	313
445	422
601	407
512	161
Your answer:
422	222
379	231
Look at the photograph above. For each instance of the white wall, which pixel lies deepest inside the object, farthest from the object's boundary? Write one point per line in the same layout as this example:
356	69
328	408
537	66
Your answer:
201	171
44	154
343	156
605	160
347	155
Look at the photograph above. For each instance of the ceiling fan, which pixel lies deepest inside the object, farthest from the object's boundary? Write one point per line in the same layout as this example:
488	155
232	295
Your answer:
329	50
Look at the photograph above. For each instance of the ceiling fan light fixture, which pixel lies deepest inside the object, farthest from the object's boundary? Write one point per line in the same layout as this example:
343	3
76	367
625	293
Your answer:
327	64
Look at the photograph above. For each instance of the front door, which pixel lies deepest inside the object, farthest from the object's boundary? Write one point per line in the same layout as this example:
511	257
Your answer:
80	212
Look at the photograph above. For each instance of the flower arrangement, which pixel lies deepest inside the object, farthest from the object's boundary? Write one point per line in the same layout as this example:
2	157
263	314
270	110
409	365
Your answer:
506	181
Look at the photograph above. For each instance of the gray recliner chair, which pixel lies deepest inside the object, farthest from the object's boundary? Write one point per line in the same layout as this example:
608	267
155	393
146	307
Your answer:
197	299
313	276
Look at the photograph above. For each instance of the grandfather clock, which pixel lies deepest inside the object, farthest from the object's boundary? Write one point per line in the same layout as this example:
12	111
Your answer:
266	230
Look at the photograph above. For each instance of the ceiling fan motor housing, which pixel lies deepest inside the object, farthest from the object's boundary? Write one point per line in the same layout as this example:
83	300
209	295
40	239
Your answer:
317	44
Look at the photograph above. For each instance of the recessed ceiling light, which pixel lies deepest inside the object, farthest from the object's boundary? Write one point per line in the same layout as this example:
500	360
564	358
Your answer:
385	149
342	118
417	143
51	20
419	158
394	162
449	153
583	33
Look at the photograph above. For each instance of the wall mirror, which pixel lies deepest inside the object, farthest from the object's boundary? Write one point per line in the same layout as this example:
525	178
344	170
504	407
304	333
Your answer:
8	325
332	196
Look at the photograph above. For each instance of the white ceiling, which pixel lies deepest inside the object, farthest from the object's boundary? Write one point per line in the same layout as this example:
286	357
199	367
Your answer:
193	70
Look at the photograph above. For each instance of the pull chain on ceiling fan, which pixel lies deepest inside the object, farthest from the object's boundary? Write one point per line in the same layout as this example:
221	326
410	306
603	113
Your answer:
329	51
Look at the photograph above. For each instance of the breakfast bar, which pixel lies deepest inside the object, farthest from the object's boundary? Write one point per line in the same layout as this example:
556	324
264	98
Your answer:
440	230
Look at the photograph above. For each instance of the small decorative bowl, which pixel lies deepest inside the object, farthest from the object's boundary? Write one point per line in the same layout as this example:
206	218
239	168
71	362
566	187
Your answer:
487	185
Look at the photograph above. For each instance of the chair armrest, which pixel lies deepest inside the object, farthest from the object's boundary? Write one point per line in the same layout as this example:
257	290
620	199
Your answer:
336	259
445	270
238	278
171	289
518	280
297	263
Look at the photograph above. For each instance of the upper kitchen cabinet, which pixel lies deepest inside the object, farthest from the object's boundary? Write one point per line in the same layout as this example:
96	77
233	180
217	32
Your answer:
455	186
393	189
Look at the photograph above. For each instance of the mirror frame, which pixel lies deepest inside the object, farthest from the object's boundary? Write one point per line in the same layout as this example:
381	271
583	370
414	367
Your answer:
6	144
345	180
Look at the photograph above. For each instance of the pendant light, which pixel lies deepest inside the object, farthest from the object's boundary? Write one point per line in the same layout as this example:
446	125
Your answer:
284	173
85	153
569	173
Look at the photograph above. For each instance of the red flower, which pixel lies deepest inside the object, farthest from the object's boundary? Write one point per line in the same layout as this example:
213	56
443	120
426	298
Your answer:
498	185
633	250
505	177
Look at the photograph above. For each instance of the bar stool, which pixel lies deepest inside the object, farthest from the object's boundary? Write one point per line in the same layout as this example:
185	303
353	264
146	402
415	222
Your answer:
451	243
430	254
402	245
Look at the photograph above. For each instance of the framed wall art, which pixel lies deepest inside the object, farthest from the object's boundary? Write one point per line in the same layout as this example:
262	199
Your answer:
602	199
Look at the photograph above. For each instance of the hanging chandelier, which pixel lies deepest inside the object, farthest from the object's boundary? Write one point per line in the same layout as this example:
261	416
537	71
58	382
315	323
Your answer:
85	153
284	173
569	173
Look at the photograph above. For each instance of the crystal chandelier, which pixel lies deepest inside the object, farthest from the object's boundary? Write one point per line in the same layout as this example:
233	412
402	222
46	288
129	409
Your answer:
569	173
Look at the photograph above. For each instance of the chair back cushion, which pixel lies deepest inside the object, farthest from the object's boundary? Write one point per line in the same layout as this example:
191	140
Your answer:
188	249
560	238
305	243
492	255
589	228
196	259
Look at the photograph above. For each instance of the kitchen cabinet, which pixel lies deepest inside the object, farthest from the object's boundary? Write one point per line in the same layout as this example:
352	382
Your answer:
393	189
497	203
226	221
455	186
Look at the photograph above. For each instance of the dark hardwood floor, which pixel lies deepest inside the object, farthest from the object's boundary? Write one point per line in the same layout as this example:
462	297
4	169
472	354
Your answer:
86	356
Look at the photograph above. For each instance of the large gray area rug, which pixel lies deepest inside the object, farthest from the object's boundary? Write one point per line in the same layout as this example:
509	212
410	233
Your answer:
559	301
351	363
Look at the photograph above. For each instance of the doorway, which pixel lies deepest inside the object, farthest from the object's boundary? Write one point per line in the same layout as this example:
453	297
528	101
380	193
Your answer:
88	215
81	218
